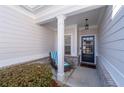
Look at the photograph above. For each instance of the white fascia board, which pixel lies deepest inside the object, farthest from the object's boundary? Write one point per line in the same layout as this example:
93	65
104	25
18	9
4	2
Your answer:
50	9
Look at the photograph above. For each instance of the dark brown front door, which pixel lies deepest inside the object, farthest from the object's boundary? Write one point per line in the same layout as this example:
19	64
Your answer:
87	49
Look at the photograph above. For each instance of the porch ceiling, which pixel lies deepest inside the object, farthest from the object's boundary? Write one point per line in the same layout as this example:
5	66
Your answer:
94	17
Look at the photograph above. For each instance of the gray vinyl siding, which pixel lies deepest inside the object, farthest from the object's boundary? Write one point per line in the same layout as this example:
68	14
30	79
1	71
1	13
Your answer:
111	43
21	39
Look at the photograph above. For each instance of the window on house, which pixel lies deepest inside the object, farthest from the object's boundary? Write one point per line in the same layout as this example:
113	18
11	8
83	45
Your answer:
68	44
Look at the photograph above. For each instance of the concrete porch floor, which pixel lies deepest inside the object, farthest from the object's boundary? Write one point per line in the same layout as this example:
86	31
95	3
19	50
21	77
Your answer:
84	77
81	77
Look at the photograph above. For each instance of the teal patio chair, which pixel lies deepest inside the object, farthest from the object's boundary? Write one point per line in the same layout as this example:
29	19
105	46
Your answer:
54	61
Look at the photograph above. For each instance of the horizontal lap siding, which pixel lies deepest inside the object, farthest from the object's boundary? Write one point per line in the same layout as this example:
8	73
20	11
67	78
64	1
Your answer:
111	43
21	37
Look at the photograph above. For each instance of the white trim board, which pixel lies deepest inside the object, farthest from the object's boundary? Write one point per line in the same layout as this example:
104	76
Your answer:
21	59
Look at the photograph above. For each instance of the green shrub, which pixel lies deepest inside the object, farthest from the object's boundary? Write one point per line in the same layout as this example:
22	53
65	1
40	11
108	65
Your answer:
26	75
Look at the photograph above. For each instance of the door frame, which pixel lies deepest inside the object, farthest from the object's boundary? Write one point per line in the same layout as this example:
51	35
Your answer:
94	48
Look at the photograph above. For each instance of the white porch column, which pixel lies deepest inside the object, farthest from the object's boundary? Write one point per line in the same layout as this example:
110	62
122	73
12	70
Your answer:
60	25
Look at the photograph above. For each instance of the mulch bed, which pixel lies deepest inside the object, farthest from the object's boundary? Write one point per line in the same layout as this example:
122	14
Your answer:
27	75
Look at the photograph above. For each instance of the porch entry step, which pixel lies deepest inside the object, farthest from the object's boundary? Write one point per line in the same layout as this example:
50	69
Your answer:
88	65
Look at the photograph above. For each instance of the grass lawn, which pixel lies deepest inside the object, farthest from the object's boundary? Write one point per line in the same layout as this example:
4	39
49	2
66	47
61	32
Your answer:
27	75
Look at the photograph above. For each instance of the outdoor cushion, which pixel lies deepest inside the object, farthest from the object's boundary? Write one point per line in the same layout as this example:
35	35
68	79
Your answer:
54	56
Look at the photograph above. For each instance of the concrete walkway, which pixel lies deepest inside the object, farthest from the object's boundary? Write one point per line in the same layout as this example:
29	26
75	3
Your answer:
83	77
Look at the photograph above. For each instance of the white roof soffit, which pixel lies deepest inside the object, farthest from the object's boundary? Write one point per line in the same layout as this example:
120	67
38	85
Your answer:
29	10
34	9
19	9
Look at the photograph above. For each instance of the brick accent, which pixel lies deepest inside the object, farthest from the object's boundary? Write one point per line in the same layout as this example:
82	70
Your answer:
72	60
105	78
